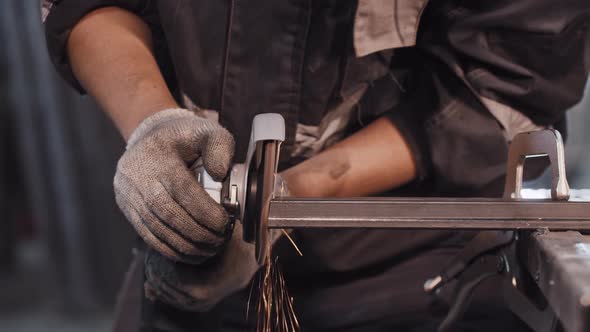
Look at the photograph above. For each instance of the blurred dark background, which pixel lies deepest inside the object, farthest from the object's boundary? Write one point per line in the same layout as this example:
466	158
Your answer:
64	246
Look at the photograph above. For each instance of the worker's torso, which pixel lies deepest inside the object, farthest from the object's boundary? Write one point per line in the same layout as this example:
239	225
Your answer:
235	60
290	57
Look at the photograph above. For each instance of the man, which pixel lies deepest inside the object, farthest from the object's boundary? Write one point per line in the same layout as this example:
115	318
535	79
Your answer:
421	98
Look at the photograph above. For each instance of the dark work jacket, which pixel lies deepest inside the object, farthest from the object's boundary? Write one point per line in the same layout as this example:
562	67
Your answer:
242	59
275	56
295	57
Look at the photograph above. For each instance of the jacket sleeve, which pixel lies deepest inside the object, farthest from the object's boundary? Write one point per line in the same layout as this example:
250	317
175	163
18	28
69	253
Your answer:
60	16
515	53
530	55
458	146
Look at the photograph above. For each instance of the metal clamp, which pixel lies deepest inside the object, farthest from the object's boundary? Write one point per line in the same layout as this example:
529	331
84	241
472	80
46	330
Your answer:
536	144
500	246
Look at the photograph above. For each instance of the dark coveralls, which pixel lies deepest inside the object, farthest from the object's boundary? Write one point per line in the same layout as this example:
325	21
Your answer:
296	57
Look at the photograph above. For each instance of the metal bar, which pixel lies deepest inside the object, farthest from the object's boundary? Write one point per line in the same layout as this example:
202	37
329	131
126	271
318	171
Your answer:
559	262
431	213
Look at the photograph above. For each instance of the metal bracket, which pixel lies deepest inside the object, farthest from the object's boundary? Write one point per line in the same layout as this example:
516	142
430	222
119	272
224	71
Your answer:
536	144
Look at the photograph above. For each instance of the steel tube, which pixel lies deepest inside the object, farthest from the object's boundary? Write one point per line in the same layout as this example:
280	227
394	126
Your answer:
428	213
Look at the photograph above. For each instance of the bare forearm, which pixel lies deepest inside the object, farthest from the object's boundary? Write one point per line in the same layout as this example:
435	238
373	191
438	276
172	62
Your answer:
110	51
371	161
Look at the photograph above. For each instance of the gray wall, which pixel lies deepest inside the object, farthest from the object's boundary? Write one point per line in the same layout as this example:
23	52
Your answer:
577	155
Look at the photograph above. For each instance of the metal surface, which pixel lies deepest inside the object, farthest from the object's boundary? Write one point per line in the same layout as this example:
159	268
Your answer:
535	144
560	264
428	214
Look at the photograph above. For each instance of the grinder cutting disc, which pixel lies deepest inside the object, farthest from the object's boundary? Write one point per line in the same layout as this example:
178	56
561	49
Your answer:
261	179
251	200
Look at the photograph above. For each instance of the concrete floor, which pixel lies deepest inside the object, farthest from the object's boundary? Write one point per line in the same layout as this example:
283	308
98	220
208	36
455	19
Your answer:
48	320
28	300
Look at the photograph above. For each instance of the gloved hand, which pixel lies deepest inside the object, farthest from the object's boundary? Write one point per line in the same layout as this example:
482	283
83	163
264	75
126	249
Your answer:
201	287
159	194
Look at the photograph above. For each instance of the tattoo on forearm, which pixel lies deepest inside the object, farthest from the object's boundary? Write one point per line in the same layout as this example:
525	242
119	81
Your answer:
339	169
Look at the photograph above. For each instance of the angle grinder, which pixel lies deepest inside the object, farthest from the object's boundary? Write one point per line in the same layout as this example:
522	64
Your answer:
250	186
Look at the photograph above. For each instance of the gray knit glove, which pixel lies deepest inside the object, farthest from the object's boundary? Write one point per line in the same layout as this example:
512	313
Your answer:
159	194
200	287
